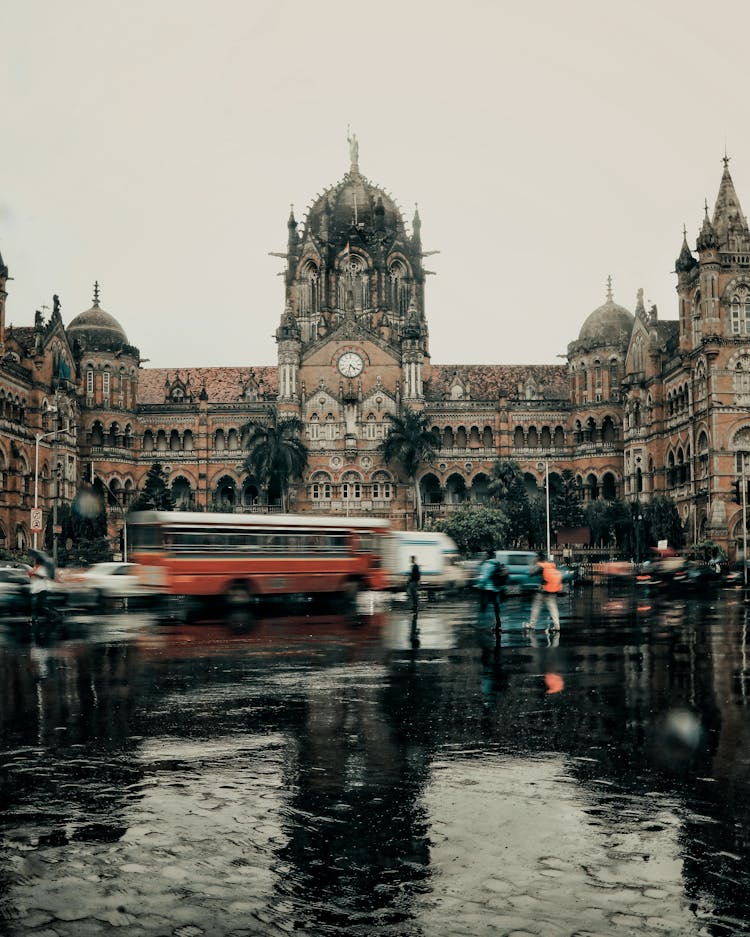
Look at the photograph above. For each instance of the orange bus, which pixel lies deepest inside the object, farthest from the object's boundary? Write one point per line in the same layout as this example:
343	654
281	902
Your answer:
241	557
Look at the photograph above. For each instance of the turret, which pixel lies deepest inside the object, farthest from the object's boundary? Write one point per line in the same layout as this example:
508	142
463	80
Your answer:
288	338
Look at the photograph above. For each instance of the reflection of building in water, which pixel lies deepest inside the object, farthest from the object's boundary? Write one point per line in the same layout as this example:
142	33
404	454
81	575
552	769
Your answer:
641	405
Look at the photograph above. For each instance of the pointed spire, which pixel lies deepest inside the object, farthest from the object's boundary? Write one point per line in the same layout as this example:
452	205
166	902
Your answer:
685	262
291	224
416	227
640	309
3	268
707	238
728	220
96	294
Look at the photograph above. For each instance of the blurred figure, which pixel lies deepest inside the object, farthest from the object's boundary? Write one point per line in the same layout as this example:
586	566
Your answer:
412	586
550	583
491	580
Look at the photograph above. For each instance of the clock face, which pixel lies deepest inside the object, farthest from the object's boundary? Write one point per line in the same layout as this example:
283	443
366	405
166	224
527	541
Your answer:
351	364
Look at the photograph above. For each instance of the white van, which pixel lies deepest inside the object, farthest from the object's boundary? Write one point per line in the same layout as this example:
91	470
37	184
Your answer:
437	557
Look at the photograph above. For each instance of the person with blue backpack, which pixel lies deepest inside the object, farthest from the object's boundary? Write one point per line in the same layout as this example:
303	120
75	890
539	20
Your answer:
550	583
491	580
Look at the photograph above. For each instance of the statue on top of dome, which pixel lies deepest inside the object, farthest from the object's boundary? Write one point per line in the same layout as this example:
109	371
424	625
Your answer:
353	147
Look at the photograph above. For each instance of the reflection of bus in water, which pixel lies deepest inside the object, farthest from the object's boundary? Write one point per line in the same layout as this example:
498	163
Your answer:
245	556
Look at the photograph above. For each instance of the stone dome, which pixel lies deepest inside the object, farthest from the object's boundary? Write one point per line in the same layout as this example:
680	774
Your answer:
97	330
355	197
609	324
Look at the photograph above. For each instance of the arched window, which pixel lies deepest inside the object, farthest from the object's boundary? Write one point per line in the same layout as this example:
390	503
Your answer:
448	439
148	441
308	294
313	427
518	440
220	442
455	489
225	495
614	379
370	426
488	440
742	379
320	488
188	443
174	441
399	287
702	451
351	487
533	438
382	487
182	492
740	311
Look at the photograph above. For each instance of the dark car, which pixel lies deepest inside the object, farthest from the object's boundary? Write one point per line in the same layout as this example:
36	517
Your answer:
15	591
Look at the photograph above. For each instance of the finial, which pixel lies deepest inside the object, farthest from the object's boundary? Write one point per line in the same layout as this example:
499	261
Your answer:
726	158
609	289
96	292
684	231
705	206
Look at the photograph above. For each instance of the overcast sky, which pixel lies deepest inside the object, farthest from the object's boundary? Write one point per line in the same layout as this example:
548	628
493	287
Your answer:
156	146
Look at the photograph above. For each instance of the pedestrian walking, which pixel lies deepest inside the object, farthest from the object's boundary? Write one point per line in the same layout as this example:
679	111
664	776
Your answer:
412	585
491	580
550	583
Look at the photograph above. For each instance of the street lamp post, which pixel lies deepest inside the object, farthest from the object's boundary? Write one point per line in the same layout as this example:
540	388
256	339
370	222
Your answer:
545	465
744	521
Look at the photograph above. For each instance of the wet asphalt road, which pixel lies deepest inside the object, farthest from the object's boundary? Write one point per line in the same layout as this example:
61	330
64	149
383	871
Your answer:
348	776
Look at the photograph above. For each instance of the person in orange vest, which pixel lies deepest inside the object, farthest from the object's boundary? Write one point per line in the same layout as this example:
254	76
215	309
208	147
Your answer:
550	584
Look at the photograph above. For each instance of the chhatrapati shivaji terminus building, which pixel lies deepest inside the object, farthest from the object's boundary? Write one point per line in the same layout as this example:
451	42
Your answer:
641	406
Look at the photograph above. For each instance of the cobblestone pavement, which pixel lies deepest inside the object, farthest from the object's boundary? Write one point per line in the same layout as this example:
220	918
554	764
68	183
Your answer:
365	776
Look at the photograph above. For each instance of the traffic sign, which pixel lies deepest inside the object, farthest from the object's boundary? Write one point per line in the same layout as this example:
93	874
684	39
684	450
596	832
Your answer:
36	520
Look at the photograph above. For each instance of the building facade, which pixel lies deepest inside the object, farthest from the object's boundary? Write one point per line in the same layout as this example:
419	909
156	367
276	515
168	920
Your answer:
642	405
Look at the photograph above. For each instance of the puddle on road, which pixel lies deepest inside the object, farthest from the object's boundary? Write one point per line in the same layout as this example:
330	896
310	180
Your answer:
323	776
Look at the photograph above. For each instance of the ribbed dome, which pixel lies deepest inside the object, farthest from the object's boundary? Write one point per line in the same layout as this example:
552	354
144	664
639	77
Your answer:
610	324
355	200
97	330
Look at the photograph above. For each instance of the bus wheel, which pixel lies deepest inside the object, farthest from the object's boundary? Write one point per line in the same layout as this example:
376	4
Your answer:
347	597
238	595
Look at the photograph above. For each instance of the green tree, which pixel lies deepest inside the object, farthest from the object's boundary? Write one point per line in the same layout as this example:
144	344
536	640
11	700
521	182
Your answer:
565	503
507	487
598	517
411	443
662	521
277	455
476	528
156	495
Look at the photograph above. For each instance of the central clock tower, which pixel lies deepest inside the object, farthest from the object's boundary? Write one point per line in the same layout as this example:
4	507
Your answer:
353	340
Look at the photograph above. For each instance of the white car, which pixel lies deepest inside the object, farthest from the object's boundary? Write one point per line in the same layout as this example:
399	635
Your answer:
103	583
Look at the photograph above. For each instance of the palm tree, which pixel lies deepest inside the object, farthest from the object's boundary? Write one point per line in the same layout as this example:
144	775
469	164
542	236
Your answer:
410	442
277	454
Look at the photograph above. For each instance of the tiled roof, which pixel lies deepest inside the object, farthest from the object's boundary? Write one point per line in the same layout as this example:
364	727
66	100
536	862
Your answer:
223	385
489	381
486	381
25	335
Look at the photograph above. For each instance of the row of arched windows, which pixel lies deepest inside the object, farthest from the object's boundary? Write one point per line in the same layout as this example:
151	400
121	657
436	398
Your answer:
114	437
12	407
529	437
461	437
